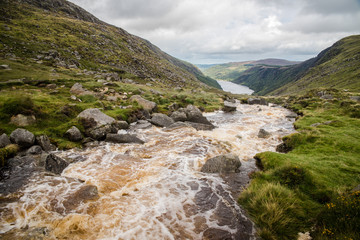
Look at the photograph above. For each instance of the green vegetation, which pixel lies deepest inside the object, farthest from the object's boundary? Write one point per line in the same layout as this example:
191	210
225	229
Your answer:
7	152
293	191
335	67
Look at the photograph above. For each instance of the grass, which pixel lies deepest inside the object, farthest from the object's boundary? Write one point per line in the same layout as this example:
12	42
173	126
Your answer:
292	191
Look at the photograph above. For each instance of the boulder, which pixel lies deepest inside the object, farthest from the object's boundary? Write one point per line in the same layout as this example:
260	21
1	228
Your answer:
22	137
4	140
228	163
77	89
55	164
263	133
161	120
118	125
201	126
146	104
93	117
22	120
259	101
45	143
83	194
193	114
73	134
178	116
141	124
123	138
229	106
99	133
34	150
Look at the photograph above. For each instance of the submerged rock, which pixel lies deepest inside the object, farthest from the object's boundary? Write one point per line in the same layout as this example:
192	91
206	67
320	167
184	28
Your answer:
22	137
55	164
85	193
123	138
228	163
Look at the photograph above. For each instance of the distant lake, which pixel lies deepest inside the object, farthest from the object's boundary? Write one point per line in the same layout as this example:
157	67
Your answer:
235	88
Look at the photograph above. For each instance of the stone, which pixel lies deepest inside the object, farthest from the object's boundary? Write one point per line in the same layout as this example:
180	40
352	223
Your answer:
96	117
193	114
83	194
201	126
327	97
22	137
263	133
229	106
45	143
141	124
173	107
22	120
77	89
123	138
34	150
161	120
228	163
51	86
118	125
146	104
177	125
291	115
99	133
259	101
178	116
4	140
355	98
5	67
55	164
73	134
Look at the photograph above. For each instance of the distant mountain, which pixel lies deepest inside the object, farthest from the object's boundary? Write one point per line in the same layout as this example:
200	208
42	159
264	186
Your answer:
231	71
335	67
41	35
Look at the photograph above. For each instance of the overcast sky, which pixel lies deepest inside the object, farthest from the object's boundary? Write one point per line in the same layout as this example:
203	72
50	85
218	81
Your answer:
216	31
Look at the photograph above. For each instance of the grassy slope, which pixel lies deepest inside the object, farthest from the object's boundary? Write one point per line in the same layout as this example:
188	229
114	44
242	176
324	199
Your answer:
295	190
335	67
28	31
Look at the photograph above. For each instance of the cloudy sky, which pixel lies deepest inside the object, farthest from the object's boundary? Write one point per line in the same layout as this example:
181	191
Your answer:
216	31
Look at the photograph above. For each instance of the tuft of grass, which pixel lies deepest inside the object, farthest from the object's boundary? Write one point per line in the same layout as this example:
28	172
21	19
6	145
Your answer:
7	152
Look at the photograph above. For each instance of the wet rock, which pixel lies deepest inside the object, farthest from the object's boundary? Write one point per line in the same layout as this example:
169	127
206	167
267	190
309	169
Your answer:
177	125
22	137
291	115
85	193
283	148
45	143
22	120
34	150
259	101
195	115
217	234
55	164
179	116
146	104
99	133
93	117
228	163
4	140
206	199
123	138
141	124
229	106
200	126
161	120
118	125
263	133
73	134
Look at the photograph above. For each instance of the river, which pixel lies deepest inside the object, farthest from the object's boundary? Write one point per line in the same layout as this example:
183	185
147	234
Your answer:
234	88
154	190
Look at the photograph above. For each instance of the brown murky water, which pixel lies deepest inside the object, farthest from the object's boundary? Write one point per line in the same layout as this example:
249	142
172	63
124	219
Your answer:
150	191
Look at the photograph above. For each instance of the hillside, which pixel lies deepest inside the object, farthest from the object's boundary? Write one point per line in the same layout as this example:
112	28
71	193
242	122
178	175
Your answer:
55	39
231	71
335	67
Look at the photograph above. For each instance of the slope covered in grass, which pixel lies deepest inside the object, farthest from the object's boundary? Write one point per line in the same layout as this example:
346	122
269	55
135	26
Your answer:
293	192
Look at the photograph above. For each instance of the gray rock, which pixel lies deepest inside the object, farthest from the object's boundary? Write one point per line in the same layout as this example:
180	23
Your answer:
355	98
174	107
193	114
263	133
45	143
55	164
118	125
73	134
229	106
123	138
177	125
228	163
22	120
22	137
77	89
4	140
95	116
5	67
179	116
141	124
259	101
99	133
201	126
327	97
161	120
291	115
34	150
83	194
146	104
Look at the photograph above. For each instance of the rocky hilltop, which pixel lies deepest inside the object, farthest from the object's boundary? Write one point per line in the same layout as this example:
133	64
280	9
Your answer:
55	39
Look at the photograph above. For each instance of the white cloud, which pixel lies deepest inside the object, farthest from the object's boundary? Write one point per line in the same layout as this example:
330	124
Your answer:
233	30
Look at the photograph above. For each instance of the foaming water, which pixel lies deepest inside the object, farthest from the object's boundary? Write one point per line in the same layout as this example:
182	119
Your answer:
149	191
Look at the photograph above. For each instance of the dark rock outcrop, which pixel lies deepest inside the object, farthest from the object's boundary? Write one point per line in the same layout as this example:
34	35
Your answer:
34	150
45	143
228	163
178	116
22	137
283	148
55	164
161	120
4	140
123	138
